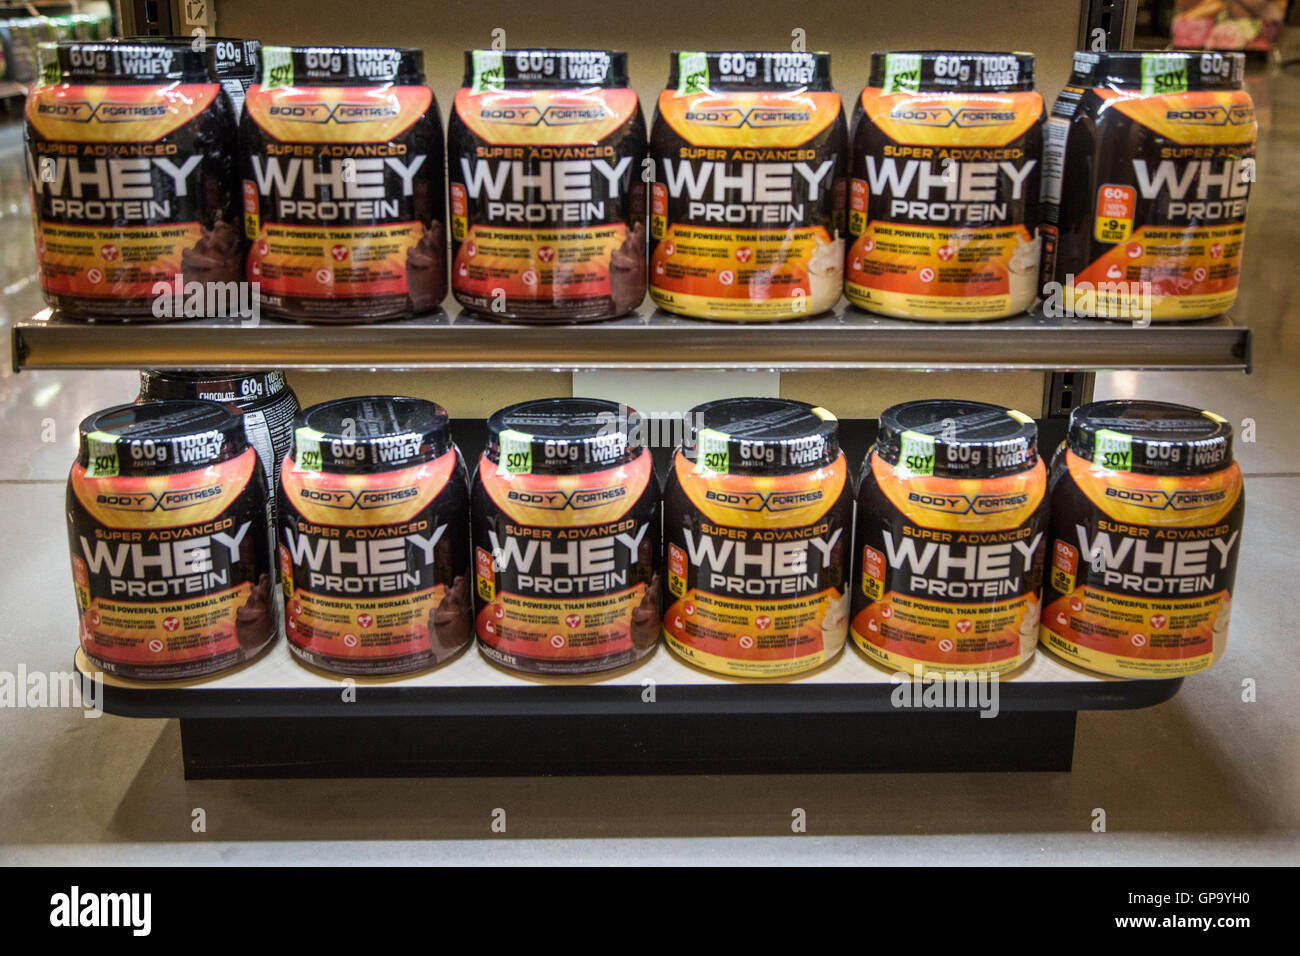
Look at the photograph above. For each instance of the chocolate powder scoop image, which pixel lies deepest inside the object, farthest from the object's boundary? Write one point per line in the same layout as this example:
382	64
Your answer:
449	622
627	271
255	621
215	257
425	264
646	617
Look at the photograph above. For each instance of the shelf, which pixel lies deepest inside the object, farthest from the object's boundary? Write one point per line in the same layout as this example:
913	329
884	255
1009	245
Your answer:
650	339
11	90
276	686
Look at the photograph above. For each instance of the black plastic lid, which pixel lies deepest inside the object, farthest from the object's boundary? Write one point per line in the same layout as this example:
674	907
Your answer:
761	436
114	61
951	71
159	438
956	439
1154	73
369	434
560	69
244	388
231	57
691	72
1151	438
562	436
341	66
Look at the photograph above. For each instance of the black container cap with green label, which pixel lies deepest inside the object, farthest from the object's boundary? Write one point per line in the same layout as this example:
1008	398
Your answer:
159	438
951	71
1154	73
114	61
957	439
562	436
370	433
761	436
1150	438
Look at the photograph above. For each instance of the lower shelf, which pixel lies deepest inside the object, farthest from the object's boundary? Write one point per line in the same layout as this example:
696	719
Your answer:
276	718
276	686
649	743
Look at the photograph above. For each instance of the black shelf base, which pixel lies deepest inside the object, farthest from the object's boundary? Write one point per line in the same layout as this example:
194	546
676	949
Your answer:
491	746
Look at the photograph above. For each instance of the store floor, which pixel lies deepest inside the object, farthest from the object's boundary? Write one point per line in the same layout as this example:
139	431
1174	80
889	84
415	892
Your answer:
1204	778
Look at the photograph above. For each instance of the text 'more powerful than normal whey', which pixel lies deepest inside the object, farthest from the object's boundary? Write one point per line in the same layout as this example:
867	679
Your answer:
546	149
747	206
343	184
944	197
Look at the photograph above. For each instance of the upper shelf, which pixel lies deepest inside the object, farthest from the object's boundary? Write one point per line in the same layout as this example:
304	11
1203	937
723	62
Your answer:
650	339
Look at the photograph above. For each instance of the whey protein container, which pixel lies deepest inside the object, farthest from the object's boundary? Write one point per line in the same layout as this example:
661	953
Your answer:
944	199
566	538
234	61
170	539
952	512
758	517
747	207
1147	172
343	184
1146	511
264	399
133	165
374	537
545	152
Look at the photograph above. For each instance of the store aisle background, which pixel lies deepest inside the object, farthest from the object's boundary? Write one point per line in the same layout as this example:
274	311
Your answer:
1204	778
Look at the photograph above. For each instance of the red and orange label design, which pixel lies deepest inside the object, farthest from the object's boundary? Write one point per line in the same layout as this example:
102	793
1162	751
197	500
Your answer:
131	185
1166	212
949	569
342	198
757	568
374	565
1141	568
547	201
944	204
747	207
171	572
566	567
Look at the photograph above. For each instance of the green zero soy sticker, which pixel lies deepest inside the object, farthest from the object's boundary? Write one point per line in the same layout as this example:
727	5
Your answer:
902	73
713	453
489	71
692	73
101	455
277	67
1113	450
1163	73
516	455
306	442
916	452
